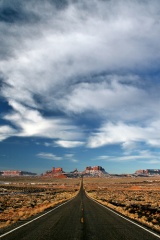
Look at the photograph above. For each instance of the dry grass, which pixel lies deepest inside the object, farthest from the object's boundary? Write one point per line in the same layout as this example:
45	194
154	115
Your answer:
23	199
136	198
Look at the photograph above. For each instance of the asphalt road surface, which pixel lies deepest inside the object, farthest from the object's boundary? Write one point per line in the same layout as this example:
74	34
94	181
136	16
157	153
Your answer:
80	219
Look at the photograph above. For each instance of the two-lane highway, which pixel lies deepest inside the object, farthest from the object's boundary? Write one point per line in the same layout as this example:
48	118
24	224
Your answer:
80	219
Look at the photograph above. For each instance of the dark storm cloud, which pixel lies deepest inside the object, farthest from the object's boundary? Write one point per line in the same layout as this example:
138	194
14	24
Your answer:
27	11
15	12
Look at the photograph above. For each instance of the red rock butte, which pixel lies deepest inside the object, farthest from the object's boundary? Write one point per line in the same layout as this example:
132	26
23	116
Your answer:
55	172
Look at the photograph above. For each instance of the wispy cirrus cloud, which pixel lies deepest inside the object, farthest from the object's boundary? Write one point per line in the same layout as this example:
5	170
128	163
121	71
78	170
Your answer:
143	156
49	156
69	144
113	97
81	75
35	71
74	160
29	122
49	64
124	134
6	132
71	157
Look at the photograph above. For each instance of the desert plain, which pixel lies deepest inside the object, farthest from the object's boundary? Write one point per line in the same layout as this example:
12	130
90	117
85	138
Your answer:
136	198
24	197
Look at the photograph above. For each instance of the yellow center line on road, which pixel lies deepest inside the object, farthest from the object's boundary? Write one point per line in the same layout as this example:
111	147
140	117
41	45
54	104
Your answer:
82	220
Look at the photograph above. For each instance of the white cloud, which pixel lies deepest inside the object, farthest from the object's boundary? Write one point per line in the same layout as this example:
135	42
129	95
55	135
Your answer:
47	144
121	133
100	36
69	144
110	97
123	158
31	123
143	156
129	146
70	157
6	132
49	156
54	157
74	160
82	59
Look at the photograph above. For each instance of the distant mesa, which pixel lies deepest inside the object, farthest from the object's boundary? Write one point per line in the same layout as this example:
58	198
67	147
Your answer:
147	172
13	173
96	171
55	173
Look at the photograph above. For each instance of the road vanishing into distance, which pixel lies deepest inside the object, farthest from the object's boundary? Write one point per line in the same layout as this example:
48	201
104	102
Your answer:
79	219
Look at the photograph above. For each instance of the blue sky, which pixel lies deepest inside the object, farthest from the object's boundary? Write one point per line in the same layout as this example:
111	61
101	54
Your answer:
79	85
